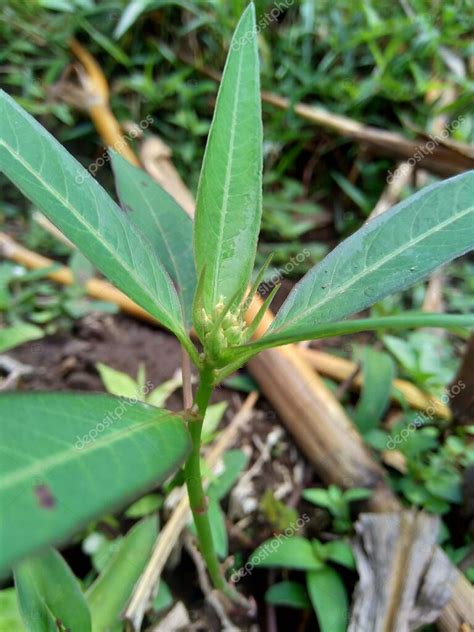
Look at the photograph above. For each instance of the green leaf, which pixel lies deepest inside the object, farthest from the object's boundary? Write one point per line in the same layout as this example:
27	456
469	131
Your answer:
12	337
329	598
212	419
378	371
234	461
408	320
218	528
10	618
164	598
167	226
229	204
116	382
69	458
286	552
357	493
159	395
388	254
110	592
319	497
72	199
48	592
340	552
135	8
149	504
290	594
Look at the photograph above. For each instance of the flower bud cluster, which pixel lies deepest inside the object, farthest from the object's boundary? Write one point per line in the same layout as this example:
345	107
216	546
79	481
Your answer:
222	332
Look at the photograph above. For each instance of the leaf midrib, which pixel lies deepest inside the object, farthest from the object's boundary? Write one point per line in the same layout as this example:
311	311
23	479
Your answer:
342	288
71	454
228	174
87	226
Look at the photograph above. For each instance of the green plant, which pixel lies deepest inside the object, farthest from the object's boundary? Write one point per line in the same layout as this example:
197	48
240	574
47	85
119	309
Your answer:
337	502
434	468
83	460
326	590
31	305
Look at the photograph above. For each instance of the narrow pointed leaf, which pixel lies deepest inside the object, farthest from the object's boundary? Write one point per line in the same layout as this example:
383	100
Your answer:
329	598
72	199
408	320
228	207
109	594
66	459
388	254
378	371
48	592
167	226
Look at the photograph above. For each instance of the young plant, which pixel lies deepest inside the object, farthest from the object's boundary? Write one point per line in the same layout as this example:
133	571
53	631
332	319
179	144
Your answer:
337	502
50	486
326	590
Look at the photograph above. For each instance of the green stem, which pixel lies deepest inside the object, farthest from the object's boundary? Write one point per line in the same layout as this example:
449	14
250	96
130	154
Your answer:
197	495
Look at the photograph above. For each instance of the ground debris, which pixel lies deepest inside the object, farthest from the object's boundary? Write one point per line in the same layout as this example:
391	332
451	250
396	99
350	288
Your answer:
405	580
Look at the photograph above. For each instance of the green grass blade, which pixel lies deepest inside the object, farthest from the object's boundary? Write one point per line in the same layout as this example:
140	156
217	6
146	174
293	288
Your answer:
66	459
229	205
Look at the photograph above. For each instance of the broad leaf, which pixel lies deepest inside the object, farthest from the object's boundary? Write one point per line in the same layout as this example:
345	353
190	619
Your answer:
109	594
286	552
228	206
329	598
72	199
388	254
67	459
289	594
167	226
48	593
340	552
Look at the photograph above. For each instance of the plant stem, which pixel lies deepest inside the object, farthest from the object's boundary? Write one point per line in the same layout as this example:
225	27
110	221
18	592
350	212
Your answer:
197	495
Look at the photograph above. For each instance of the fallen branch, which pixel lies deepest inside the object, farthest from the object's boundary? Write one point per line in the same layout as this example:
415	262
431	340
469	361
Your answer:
341	369
445	158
